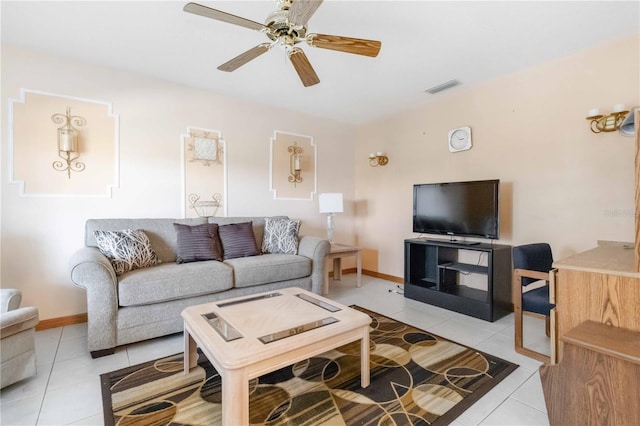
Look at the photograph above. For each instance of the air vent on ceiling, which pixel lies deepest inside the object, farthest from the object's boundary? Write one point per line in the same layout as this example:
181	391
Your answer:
444	86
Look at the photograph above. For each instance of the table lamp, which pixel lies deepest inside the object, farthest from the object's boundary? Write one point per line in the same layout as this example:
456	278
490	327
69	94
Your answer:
330	203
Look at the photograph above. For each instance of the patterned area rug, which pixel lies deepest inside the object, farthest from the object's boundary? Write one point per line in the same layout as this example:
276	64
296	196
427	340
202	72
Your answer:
417	378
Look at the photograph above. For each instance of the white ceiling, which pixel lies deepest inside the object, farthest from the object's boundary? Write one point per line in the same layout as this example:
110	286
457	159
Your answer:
424	43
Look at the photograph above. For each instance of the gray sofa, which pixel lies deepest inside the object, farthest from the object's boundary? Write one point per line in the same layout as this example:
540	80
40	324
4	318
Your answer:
146	303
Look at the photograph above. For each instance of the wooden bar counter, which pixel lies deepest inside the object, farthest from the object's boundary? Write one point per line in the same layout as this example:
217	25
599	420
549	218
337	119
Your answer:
596	330
600	285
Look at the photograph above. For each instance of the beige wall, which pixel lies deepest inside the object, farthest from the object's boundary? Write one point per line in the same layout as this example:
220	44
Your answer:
561	183
40	234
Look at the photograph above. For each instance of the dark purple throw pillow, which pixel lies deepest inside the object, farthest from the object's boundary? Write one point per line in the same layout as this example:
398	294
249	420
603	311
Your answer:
198	242
238	240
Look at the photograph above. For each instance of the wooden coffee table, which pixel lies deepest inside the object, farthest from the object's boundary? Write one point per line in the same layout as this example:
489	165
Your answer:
250	336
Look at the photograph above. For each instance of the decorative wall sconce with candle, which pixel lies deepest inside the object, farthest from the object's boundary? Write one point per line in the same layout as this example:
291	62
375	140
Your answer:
607	122
292	166
378	159
68	142
295	168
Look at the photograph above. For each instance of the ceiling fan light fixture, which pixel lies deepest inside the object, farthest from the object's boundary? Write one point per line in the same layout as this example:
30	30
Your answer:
443	86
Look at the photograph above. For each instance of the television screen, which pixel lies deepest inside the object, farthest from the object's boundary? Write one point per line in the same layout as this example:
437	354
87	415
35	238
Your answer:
457	209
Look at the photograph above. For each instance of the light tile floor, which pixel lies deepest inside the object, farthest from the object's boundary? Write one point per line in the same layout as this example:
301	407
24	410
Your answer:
66	390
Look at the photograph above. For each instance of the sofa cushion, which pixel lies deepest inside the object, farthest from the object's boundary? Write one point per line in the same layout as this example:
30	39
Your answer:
161	232
238	240
256	221
127	249
280	236
171	281
198	242
268	268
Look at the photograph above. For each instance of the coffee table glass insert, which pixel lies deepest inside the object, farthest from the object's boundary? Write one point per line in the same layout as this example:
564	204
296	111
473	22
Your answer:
317	302
269	338
224	329
229	333
249	299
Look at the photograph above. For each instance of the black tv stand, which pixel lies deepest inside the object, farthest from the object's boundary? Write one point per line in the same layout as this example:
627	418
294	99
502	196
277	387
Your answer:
432	275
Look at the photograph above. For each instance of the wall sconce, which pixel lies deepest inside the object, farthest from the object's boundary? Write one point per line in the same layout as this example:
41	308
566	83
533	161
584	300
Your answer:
295	157
378	159
68	142
607	123
207	150
628	126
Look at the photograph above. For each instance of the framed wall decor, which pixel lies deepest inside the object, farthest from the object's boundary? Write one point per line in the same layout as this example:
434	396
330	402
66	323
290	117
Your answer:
292	166
204	164
62	146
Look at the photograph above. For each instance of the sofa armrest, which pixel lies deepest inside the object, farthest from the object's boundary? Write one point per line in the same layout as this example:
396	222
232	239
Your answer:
87	263
21	319
315	249
92	270
10	299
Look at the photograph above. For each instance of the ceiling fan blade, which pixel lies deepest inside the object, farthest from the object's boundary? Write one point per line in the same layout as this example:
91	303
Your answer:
303	67
359	46
208	12
301	10
245	57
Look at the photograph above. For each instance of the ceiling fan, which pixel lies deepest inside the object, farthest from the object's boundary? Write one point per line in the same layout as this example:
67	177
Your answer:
286	27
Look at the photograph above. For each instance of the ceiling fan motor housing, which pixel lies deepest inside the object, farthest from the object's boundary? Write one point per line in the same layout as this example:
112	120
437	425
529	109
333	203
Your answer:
280	28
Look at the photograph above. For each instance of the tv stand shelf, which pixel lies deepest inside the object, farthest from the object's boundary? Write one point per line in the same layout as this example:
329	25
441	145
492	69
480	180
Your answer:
465	267
433	271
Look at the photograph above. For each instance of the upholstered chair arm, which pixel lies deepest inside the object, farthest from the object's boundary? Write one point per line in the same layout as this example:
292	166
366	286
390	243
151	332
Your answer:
516	289
536	275
92	270
10	299
18	320
316	249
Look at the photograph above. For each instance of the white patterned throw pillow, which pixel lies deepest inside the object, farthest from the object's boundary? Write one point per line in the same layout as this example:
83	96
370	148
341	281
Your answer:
127	250
280	236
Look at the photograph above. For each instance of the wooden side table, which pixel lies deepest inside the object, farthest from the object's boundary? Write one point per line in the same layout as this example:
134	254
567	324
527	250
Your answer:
337	252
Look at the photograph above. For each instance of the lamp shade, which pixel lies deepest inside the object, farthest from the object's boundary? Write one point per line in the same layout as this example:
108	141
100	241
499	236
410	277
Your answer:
627	128
330	202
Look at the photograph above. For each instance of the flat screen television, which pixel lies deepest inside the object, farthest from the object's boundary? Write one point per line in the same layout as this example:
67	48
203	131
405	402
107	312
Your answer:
466	209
